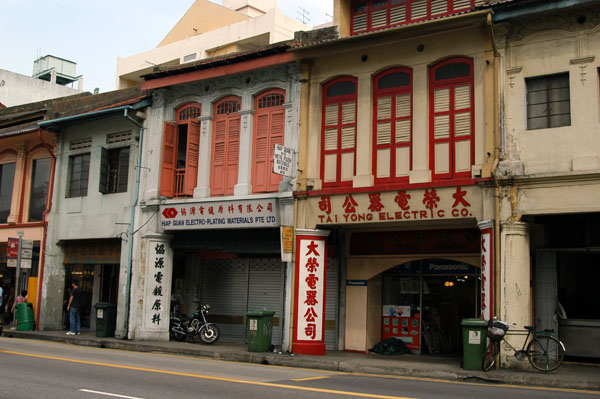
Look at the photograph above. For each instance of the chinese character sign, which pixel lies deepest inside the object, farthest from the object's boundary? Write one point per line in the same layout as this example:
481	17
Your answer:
487	275
158	281
310	293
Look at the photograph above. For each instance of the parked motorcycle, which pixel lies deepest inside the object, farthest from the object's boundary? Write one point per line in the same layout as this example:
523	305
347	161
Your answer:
181	326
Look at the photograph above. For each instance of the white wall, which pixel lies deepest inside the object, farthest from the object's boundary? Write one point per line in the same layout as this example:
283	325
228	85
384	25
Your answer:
17	89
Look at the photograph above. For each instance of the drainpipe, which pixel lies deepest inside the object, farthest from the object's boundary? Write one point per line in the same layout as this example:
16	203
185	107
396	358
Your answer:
45	228
131	223
498	141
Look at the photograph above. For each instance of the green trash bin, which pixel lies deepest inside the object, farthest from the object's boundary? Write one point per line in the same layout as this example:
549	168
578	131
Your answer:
260	330
474	342
24	316
106	319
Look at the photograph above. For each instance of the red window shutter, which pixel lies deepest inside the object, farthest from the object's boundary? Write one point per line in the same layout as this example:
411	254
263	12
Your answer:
277	120
233	153
191	157
261	153
169	160
217	165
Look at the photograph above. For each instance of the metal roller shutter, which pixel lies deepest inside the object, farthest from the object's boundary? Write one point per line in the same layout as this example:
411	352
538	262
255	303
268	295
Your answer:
331	295
265	290
224	287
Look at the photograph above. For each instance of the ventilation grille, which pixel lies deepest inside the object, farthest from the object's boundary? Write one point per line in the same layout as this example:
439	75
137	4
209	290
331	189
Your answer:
82	144
120	137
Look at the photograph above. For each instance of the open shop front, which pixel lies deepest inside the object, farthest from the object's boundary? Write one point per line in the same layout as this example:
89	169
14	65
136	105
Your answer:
424	302
416	286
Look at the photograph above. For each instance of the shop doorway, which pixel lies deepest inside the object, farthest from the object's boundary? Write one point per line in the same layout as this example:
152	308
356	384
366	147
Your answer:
85	275
424	302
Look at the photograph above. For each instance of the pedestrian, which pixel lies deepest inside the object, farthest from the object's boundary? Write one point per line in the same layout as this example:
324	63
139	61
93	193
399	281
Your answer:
8	308
20	299
1	305
74	308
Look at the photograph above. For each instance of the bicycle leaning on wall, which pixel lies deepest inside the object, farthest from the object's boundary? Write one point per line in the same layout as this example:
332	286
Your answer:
544	351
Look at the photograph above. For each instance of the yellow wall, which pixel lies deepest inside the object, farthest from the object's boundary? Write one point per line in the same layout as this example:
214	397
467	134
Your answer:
202	16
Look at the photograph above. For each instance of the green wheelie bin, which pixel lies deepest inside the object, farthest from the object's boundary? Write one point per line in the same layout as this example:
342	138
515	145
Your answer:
106	319
260	330
474	342
24	316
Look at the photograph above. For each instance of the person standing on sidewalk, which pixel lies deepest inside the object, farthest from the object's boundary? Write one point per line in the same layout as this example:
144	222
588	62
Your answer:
74	309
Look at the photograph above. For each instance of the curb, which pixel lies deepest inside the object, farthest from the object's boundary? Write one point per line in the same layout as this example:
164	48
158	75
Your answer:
498	377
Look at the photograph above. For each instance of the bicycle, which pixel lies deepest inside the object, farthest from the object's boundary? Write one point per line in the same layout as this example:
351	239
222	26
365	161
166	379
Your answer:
544	351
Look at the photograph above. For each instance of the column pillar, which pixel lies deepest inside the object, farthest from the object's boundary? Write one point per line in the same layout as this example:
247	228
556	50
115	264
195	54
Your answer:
515	285
309	297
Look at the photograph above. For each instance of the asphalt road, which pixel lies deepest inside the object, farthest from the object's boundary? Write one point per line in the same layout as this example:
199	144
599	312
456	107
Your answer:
41	369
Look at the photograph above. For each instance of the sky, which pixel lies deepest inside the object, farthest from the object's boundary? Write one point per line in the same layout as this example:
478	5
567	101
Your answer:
94	33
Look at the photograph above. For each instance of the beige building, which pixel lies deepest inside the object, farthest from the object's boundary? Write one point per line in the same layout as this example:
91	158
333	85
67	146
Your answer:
397	144
548	174
209	30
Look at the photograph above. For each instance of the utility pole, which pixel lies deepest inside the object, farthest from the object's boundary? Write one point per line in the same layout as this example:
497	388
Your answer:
20	233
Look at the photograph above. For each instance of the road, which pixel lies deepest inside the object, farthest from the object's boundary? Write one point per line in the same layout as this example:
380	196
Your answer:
40	369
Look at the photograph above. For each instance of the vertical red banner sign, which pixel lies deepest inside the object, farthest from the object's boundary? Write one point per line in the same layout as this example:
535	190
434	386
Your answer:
309	298
487	269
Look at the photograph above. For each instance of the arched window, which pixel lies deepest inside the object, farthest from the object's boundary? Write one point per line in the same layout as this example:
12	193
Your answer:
180	152
225	152
338	132
269	127
392	125
451	118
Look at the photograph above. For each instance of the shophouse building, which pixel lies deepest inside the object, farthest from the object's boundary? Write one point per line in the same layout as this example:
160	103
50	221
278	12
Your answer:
212	209
548	173
93	204
395	192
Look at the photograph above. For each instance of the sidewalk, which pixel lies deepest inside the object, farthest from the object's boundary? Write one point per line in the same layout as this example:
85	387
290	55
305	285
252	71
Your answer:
569	375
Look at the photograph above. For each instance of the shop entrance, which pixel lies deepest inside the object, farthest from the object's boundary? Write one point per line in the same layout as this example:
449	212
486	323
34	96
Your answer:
85	275
424	302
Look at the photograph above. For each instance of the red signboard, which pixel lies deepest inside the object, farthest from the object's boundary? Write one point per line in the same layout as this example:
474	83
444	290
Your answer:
12	250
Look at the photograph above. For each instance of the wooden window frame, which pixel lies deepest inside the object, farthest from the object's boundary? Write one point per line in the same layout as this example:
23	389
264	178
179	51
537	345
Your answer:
451	83
228	111
268	111
379	93
407	4
181	182
339	151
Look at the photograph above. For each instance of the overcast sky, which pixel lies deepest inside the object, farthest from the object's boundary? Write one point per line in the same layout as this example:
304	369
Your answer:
93	33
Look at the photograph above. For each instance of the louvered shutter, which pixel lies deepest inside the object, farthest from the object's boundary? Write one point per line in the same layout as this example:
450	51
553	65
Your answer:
217	175
123	170
348	140
439	7
276	137
397	14
104	166
191	157
169	160
441	131
403	134
384	136
462	128
418	9
379	18
233	153
261	153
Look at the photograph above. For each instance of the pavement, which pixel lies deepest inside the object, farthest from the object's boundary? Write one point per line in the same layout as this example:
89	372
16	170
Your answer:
571	375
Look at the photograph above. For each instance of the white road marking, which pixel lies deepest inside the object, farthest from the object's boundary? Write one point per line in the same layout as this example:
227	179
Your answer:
109	394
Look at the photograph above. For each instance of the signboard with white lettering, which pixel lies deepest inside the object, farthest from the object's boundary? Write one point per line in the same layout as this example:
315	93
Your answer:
283	160
311	266
220	215
487	271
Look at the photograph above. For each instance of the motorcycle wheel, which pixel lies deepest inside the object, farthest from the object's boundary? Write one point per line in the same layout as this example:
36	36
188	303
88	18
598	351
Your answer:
178	334
209	334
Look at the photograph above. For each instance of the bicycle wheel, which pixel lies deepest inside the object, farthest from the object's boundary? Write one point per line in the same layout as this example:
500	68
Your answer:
545	353
490	356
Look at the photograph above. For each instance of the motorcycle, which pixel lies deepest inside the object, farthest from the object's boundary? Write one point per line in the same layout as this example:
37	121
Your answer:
181	326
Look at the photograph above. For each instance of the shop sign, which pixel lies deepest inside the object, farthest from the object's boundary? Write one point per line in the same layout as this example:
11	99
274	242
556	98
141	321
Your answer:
403	205
356	283
310	294
157	281
220	215
486	272
12	250
283	160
